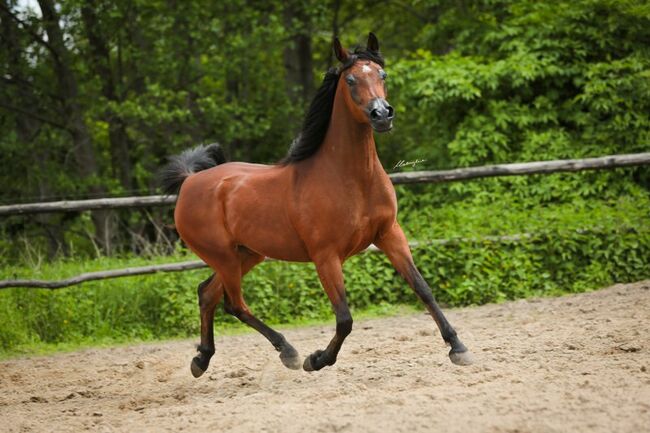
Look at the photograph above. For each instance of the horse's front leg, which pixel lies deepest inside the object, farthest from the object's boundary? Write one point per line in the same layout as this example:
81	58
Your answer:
394	244
330	273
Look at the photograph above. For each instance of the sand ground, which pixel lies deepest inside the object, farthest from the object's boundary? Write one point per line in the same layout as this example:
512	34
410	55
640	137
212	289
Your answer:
572	364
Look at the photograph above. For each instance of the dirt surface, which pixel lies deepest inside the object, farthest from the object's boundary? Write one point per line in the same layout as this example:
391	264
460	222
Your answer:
570	364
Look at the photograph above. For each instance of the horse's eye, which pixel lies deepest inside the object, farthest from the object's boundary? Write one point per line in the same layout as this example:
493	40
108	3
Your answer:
350	80
382	74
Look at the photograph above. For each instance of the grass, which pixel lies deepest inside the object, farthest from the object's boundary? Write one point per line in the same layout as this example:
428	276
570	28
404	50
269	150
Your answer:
222	328
559	259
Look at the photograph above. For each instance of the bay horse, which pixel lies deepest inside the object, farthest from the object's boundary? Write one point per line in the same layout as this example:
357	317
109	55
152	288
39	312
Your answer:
326	201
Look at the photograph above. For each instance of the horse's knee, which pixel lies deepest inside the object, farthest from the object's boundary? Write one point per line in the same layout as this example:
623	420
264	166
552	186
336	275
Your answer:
239	313
344	326
233	310
229	309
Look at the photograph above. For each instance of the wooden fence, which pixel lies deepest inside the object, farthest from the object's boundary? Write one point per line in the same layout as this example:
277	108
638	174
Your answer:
524	168
527	168
198	264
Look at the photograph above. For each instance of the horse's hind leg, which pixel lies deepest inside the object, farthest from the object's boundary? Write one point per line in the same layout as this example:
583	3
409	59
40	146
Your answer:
210	293
235	305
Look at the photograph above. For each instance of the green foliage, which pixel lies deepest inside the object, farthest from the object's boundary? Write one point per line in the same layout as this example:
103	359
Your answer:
473	83
530	81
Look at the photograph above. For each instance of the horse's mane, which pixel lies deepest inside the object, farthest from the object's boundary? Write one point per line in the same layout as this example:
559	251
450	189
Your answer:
317	119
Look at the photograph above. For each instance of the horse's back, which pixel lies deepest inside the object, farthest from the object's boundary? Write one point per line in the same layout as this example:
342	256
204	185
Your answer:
199	194
246	204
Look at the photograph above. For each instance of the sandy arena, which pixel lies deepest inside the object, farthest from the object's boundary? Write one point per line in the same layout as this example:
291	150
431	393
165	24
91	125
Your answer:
571	364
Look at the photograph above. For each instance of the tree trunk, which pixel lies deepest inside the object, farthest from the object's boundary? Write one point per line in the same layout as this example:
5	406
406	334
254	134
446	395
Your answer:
336	9
28	129
84	152
298	54
101	65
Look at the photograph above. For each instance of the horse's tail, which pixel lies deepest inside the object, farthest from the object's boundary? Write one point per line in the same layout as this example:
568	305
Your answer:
188	162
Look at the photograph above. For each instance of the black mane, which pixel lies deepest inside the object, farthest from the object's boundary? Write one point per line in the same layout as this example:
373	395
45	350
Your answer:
317	120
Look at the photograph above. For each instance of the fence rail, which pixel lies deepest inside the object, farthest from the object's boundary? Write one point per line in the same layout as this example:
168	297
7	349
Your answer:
103	275
128	272
524	168
537	167
527	168
198	264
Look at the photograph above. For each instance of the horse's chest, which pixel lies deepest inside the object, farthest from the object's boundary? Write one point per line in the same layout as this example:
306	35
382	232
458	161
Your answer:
346	218
359	237
363	227
361	209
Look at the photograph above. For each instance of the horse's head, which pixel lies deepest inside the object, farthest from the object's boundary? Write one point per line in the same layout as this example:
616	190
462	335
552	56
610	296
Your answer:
363	76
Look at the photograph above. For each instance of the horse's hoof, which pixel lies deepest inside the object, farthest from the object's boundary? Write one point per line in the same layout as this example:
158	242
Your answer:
197	371
290	358
461	358
307	364
310	361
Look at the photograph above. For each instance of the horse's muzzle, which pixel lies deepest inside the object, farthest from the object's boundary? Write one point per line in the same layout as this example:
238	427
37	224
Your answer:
381	115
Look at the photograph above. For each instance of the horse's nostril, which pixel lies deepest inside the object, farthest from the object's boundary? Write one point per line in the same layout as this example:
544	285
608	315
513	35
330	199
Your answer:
374	114
391	112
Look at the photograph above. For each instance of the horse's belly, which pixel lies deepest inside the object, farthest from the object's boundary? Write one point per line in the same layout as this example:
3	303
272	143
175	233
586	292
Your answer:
277	247
261	225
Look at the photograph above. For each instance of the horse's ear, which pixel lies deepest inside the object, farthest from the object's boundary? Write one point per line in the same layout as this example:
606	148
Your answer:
373	42
340	52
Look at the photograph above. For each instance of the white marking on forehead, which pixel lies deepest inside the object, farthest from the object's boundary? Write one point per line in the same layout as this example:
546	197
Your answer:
367	69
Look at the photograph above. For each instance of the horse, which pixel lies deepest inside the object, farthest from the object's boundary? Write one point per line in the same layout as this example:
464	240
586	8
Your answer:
327	200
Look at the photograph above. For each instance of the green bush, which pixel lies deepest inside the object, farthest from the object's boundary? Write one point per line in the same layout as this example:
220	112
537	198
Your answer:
527	80
473	83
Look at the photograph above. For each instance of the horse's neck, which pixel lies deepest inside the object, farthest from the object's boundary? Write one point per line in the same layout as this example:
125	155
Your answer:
349	146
